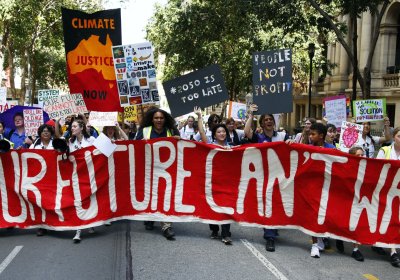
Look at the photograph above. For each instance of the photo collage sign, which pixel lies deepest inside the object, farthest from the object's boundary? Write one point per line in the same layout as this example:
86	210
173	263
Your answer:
136	74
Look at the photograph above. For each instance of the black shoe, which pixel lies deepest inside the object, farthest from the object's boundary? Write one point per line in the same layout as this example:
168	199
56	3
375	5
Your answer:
327	243
270	246
41	232
357	256
214	235
395	260
149	225
340	246
378	250
169	234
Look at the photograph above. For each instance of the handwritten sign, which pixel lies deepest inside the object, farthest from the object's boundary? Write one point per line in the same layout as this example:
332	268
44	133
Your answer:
33	118
103	118
272	81
64	105
351	135
201	88
8	105
369	110
335	110
237	110
45	94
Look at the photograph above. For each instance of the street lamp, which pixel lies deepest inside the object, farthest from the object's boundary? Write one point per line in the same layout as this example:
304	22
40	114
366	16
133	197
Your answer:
311	52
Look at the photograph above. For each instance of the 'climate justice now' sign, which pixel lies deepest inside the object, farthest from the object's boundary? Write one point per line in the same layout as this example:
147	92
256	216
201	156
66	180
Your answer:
319	191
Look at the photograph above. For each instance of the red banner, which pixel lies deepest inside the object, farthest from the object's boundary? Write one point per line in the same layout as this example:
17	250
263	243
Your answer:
319	191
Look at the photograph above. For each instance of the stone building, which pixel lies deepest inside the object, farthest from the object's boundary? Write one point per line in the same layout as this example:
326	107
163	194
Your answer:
385	68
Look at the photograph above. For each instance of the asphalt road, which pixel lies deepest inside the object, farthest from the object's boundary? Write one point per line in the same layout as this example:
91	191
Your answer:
126	250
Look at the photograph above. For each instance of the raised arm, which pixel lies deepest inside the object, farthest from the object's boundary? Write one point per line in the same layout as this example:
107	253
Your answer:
203	135
387	135
248	131
121	132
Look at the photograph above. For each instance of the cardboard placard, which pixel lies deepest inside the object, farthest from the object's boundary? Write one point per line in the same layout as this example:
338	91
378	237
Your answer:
369	110
64	105
335	110
136	74
99	119
272	81
3	95
351	135
201	88
33	118
237	111
46	94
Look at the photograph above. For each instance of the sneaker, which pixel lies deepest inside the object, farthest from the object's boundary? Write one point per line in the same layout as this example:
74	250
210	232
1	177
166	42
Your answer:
340	246
395	260
214	235
320	244
41	232
378	250
91	230
77	237
169	234
327	243
226	240
314	251
357	256
270	246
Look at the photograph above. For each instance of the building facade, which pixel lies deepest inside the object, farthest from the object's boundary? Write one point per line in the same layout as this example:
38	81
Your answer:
384	71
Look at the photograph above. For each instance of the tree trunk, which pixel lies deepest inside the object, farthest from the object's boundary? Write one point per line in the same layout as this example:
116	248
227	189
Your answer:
24	68
33	78
11	68
355	61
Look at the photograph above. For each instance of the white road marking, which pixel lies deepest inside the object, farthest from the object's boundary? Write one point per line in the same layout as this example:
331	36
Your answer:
264	260
9	258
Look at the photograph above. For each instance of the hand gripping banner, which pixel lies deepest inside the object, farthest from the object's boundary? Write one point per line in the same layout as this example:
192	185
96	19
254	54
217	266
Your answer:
88	40
319	191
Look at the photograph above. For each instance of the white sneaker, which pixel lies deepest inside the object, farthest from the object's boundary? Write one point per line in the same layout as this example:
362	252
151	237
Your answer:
314	251
77	237
91	230
320	244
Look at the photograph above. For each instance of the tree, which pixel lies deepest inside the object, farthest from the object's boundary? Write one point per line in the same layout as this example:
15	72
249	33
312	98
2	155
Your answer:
355	8
194	34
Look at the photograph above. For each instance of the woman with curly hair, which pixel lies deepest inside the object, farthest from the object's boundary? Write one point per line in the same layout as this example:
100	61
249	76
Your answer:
157	123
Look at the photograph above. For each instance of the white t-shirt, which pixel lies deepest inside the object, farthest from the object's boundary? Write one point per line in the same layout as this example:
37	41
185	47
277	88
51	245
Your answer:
76	145
197	137
186	132
368	145
41	146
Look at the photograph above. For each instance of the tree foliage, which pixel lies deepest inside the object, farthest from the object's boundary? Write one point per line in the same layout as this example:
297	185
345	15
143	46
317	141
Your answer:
194	34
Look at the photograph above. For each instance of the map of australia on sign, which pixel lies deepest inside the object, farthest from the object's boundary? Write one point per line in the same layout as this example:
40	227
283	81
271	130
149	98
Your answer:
91	54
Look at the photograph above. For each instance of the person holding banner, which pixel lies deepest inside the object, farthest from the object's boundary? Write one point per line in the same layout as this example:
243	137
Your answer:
219	135
303	137
17	135
392	152
369	141
157	123
79	139
43	142
212	121
268	134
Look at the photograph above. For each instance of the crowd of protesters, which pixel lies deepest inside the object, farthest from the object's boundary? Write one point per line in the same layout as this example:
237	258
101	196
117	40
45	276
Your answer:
224	133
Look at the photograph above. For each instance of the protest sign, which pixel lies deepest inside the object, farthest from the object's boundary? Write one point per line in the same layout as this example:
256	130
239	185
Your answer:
136	74
236	110
130	113
335	110
369	110
351	135
183	181
272	81
88	40
45	94
8	105
64	105
3	95
99	119
33	118
201	88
